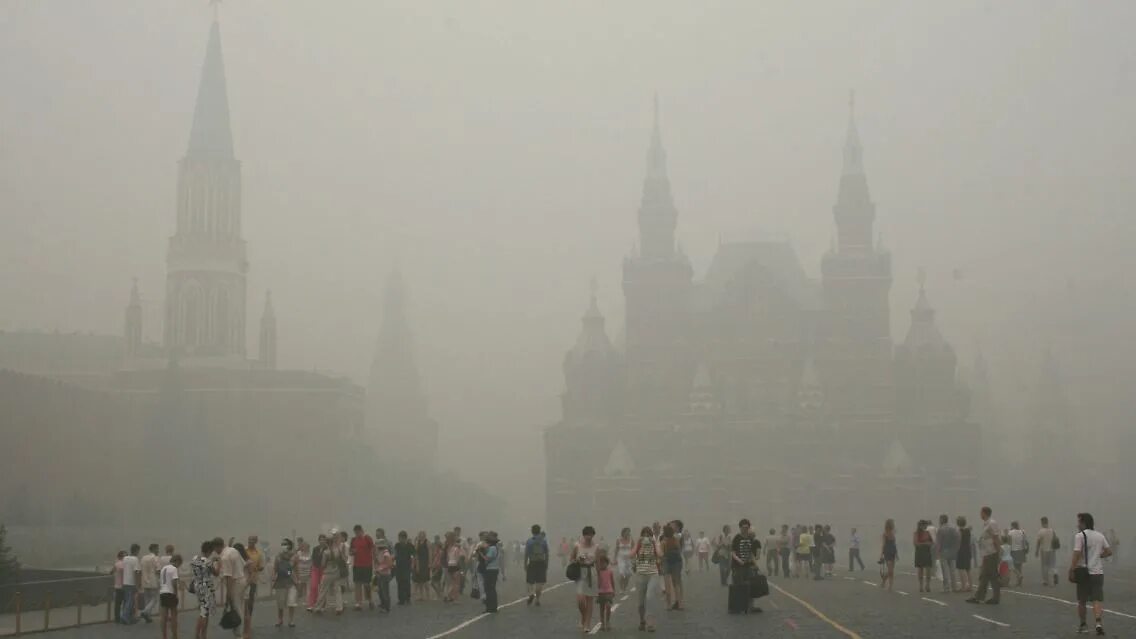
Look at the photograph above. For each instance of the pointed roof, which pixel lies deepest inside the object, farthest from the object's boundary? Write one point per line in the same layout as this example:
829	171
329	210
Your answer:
923	333
619	462
853	152
593	336
394	372
211	133
656	154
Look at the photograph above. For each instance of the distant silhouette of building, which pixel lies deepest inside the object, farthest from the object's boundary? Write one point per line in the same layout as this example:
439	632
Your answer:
758	390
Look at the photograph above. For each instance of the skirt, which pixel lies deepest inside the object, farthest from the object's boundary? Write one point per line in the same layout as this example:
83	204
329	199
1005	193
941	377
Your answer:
962	562
588	583
922	556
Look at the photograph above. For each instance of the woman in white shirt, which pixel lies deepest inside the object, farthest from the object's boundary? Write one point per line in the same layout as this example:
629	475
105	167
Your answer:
168	595
584	554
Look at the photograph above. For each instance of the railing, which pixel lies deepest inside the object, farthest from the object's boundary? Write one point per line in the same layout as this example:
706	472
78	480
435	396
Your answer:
18	617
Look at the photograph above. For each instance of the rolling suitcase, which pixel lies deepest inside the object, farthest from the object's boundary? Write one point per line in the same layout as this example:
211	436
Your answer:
739	599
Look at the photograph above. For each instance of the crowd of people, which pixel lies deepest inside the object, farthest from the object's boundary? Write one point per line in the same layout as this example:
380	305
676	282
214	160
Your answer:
341	569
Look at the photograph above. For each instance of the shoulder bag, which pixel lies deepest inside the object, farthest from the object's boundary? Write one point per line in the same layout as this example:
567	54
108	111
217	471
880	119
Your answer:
1081	573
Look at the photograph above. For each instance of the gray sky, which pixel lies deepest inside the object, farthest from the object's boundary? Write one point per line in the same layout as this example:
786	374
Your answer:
496	151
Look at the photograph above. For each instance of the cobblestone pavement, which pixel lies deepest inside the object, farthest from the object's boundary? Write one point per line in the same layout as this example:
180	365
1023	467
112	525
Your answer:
849	605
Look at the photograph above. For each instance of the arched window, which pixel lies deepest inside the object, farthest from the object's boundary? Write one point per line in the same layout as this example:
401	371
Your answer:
192	314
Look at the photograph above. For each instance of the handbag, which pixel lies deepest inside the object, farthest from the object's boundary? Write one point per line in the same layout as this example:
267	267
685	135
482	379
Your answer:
1081	573
573	571
231	618
758	585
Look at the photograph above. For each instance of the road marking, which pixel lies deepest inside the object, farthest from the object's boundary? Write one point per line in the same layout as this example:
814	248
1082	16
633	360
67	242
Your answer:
473	620
1066	602
624	597
819	614
934	601
903	593
996	623
773	602
596	628
850	578
870	583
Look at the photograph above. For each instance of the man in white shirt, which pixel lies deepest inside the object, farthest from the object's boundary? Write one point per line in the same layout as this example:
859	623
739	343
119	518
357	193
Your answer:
1019	547
1090	549
990	549
150	568
703	545
233	579
1046	551
131	579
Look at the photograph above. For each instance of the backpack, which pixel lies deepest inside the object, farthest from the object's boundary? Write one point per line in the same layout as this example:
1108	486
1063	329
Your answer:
539	552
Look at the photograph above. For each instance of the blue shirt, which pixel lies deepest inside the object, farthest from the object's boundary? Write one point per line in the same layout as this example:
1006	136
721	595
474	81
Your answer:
492	558
532	543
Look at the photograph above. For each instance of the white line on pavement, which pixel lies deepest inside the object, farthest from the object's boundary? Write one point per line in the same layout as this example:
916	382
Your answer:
1067	602
850	578
870	583
483	615
903	593
996	623
596	628
934	601
624	597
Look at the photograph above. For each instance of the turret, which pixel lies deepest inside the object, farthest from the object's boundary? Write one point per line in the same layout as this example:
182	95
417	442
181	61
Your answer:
592	371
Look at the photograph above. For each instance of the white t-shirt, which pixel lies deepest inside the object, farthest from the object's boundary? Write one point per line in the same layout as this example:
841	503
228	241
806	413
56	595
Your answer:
703	545
168	577
130	566
150	568
231	564
1097	544
1017	539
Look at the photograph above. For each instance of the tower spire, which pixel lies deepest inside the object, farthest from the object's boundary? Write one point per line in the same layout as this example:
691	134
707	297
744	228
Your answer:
211	133
132	331
657	213
853	152
268	333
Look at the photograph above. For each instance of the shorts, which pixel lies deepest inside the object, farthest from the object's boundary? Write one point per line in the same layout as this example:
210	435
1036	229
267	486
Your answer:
605	598
281	596
361	574
168	601
1091	590
536	572
1018	557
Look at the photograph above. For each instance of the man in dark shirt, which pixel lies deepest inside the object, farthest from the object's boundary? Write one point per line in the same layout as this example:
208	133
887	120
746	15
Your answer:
743	552
403	566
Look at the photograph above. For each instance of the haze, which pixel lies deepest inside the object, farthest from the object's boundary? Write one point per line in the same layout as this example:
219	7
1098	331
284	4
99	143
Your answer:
495	153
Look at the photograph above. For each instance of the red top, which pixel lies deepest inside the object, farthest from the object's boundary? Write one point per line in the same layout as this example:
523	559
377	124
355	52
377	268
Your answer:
606	582
364	550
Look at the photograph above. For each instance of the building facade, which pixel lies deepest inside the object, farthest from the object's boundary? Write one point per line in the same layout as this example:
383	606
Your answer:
757	390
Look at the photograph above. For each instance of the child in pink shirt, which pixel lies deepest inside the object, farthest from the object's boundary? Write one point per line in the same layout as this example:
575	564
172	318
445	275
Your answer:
384	565
605	590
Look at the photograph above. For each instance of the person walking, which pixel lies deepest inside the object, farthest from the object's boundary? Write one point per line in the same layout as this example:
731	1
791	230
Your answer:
889	553
119	592
1086	569
624	562
924	565
491	555
168	596
784	549
672	566
722	552
744	553
990	548
584	555
422	566
383	570
319	559
1045	549
283	582
702	545
772	553
947	549
648	563
362	552
254	568
805	545
303	573
403	566
854	551
965	555
334	570
204	569
536	565
1019	549
455	563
